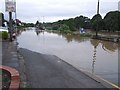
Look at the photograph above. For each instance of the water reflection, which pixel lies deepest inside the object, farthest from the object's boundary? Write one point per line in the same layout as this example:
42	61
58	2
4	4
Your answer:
19	31
70	37
38	31
109	46
95	43
94	59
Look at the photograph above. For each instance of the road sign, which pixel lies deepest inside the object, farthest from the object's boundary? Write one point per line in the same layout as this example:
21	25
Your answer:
10	5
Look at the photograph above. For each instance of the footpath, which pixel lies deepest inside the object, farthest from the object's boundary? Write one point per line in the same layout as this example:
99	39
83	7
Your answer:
46	71
11	58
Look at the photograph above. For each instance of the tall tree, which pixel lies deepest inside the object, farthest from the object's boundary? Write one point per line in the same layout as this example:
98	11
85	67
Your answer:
79	22
112	21
97	23
37	23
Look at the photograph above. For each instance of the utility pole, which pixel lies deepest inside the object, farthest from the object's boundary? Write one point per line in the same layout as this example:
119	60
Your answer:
10	25
98	6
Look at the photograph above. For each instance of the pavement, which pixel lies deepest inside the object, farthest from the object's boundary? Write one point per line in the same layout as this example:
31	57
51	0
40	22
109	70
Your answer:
9	54
44	71
10	57
49	71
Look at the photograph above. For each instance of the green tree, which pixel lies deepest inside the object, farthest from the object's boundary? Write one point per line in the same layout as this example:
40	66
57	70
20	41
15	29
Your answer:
79	22
82	22
87	23
112	21
64	28
55	26
97	22
70	22
37	23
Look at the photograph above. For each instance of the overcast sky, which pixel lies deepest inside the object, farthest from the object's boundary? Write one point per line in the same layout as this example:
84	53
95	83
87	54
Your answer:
53	10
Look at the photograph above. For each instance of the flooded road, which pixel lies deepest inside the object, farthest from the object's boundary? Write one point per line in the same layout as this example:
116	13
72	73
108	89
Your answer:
95	56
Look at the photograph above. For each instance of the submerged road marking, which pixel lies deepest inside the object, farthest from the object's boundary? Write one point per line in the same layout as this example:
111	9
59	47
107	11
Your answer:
109	83
103	80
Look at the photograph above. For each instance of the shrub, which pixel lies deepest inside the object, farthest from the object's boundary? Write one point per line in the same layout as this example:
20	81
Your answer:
85	35
64	28
4	35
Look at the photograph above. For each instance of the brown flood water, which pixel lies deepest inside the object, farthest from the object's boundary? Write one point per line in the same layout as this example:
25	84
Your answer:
95	56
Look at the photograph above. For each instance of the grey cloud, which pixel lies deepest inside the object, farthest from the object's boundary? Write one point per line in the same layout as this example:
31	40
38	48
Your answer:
32	10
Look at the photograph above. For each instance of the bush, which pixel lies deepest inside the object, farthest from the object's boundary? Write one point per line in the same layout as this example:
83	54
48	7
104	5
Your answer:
85	35
64	28
4	35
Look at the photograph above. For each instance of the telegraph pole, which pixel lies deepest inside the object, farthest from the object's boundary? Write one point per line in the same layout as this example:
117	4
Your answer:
98	6
10	25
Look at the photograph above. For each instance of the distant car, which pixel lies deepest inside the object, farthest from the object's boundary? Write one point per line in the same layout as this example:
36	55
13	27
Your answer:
3	29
